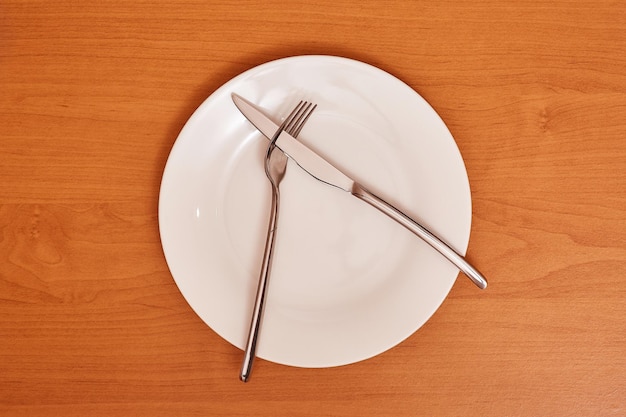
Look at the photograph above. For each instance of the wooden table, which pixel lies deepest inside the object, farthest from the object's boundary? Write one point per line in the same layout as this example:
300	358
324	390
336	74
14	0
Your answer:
93	95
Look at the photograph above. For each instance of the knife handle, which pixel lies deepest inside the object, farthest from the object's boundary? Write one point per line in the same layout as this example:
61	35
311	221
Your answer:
422	232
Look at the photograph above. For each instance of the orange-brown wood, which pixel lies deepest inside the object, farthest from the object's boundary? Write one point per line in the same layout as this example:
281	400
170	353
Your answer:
92	97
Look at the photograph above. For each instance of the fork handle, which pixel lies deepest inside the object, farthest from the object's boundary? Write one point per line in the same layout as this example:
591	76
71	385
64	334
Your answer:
257	312
422	232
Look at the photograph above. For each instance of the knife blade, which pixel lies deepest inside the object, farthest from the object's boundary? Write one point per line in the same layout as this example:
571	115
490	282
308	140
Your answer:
322	170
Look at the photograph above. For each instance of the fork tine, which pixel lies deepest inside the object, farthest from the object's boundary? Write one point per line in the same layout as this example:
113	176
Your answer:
302	120
295	117
294	113
296	125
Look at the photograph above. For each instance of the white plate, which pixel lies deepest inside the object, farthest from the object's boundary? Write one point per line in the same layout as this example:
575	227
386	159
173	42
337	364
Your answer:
347	282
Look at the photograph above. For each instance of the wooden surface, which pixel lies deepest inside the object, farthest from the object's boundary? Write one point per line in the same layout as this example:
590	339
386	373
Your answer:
93	95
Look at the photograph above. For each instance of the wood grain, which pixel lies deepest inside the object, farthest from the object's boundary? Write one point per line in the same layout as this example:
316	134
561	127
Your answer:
93	97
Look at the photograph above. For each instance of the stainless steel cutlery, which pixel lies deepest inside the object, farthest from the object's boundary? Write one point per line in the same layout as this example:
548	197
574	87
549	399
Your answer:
275	167
284	145
324	171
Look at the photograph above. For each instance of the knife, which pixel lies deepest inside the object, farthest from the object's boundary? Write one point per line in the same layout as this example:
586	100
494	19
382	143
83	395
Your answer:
322	170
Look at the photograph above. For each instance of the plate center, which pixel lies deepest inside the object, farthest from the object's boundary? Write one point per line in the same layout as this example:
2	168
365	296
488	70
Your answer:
329	244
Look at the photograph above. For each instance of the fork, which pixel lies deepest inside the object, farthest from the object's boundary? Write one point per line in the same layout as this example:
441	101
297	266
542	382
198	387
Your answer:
275	168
